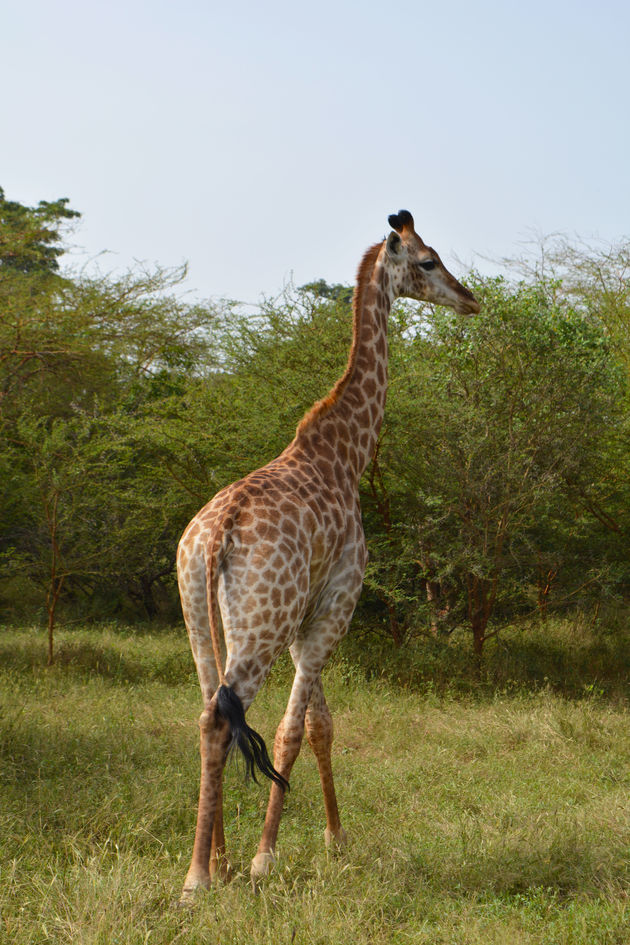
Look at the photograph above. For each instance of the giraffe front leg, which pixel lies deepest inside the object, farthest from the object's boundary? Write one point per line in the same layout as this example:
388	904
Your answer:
319	732
287	745
214	739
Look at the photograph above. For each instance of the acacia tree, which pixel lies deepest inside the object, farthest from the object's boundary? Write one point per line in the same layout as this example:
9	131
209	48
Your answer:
77	353
593	277
30	246
56	542
31	237
488	418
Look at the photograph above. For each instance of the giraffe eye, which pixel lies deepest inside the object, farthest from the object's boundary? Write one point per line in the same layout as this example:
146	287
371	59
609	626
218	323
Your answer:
428	265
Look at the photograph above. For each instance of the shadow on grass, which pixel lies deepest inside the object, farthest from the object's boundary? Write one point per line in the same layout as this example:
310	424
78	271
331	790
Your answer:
570	656
568	866
117	657
90	789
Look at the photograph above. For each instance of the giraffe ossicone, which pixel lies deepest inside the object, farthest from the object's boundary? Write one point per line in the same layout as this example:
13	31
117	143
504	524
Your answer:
276	560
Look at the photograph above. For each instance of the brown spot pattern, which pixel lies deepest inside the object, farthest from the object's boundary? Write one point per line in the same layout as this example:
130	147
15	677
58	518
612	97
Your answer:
276	560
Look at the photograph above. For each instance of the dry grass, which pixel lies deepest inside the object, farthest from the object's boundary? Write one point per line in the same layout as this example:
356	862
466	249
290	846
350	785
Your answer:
499	819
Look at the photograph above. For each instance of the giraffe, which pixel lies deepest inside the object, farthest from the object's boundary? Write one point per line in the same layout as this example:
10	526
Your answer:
276	562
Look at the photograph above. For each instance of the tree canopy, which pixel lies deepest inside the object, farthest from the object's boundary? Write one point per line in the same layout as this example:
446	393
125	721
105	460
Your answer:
500	486
30	237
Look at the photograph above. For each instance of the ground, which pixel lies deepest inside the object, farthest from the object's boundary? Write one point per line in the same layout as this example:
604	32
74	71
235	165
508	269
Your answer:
490	817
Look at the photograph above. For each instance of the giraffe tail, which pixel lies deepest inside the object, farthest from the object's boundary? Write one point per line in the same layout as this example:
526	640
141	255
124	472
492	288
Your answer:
249	742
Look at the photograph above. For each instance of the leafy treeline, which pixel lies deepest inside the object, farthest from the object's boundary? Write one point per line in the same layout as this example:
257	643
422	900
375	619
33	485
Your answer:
501	483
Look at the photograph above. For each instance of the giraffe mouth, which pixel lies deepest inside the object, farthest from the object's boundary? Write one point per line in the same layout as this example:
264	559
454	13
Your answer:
466	303
468	308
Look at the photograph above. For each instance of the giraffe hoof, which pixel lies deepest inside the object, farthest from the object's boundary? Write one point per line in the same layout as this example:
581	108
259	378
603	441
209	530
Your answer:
335	841
192	886
188	897
186	900
262	865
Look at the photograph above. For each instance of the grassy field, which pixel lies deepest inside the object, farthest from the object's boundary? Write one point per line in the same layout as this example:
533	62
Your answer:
500	815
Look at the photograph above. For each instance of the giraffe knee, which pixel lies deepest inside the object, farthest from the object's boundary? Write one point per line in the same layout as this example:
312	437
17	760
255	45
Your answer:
288	740
206	721
212	726
319	728
290	729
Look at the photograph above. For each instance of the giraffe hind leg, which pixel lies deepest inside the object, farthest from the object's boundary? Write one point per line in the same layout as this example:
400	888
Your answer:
214	740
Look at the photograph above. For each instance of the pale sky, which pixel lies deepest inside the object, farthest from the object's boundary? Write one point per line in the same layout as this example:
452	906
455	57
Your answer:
268	142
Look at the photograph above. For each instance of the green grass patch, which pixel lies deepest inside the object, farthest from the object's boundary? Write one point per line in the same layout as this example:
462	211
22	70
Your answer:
573	656
491	816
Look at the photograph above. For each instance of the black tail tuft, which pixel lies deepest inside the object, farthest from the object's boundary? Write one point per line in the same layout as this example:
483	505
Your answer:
249	742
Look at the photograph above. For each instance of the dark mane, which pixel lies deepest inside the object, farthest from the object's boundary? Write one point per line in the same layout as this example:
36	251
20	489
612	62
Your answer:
364	273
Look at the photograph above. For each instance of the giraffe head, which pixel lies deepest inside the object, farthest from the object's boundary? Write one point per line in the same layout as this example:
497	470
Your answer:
419	273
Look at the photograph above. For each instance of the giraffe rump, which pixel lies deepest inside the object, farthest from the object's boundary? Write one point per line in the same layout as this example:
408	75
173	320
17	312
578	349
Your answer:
250	743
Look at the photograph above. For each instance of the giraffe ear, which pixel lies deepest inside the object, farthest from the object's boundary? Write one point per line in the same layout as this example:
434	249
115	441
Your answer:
395	248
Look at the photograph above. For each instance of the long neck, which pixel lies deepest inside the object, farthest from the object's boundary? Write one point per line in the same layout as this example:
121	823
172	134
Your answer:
349	419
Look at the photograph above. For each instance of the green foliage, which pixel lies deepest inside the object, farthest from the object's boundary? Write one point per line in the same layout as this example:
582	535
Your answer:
30	236
592	276
577	656
492	421
501	484
83	516
323	290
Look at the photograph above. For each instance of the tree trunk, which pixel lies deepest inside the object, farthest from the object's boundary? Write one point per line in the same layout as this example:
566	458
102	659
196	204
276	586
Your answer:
479	638
394	626
148	599
481	593
439	606
56	581
546	578
52	598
